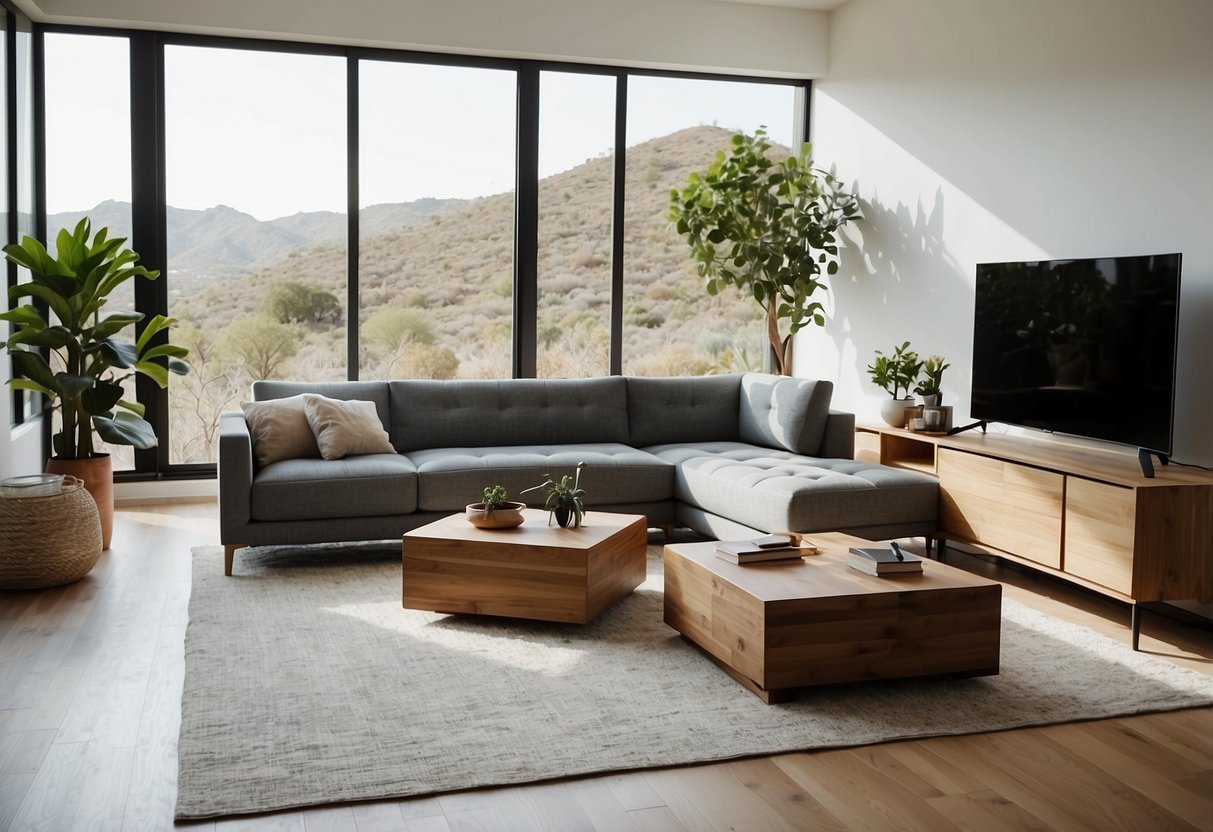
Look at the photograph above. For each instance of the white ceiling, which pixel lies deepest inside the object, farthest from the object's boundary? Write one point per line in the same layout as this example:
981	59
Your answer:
813	5
784	38
45	9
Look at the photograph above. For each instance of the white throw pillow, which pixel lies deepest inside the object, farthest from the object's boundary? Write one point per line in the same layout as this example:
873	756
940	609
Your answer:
280	430
346	428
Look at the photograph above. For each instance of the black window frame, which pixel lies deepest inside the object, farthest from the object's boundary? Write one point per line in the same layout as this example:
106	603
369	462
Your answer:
148	194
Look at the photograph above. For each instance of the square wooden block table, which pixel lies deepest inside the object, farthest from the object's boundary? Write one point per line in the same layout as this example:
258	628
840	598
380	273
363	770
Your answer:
782	625
532	571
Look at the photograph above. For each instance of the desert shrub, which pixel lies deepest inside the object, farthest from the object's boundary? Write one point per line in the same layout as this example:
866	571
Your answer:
293	301
660	291
673	360
427	361
641	316
259	344
588	260
393	327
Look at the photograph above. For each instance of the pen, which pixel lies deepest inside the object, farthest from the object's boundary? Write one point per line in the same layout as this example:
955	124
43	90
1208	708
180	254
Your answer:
897	550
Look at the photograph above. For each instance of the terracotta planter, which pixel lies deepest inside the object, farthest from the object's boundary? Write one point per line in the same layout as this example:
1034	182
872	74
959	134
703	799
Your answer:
97	472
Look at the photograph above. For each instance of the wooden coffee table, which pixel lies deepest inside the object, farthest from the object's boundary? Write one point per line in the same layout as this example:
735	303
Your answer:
779	626
533	571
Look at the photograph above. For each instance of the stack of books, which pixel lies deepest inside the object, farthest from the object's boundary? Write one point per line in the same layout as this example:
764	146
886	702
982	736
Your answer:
761	549
884	560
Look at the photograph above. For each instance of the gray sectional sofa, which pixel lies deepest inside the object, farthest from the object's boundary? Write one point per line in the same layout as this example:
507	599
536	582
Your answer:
727	456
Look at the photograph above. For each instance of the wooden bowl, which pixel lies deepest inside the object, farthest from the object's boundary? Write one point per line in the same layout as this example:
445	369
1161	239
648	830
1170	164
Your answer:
505	517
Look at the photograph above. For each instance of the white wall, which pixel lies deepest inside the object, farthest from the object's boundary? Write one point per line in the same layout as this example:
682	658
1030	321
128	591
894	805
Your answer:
669	34
988	130
20	448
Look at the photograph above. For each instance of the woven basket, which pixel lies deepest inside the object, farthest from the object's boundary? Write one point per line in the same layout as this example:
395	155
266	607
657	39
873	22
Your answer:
48	541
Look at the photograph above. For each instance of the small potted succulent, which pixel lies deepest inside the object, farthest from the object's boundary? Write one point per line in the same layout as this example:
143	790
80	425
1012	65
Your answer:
563	498
895	374
495	511
929	386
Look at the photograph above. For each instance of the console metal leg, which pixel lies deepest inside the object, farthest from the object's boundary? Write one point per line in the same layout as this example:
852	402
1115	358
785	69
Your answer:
1135	623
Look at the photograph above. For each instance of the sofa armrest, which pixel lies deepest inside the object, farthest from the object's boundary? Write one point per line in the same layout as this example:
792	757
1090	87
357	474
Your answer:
235	476
839	439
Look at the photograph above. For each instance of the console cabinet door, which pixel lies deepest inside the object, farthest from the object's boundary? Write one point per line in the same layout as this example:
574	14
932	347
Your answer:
1015	508
1100	520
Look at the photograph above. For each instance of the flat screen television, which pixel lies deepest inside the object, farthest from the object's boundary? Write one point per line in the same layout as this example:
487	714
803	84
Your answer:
1083	347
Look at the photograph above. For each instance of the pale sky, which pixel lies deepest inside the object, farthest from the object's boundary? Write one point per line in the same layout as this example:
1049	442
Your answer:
264	132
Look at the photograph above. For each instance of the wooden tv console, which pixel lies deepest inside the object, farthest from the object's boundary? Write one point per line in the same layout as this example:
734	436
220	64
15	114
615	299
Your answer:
1083	514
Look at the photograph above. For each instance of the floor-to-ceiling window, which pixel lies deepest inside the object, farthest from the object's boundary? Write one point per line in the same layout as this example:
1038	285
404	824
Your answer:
675	126
255	191
88	157
576	188
22	189
511	216
436	220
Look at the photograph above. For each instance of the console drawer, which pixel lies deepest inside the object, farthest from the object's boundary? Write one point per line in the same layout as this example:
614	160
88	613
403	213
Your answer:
1012	507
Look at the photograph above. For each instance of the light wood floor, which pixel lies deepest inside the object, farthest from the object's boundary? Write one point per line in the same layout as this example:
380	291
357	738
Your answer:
90	694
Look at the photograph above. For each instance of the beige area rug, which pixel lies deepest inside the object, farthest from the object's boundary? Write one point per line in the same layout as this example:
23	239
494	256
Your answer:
307	683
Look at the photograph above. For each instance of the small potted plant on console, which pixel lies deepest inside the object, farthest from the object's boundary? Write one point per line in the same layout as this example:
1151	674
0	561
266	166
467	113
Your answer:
930	385
564	498
894	374
495	511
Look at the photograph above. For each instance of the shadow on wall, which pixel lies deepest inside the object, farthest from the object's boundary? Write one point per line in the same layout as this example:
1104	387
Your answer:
899	283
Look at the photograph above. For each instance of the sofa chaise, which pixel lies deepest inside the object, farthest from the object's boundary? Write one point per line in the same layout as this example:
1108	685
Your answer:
728	456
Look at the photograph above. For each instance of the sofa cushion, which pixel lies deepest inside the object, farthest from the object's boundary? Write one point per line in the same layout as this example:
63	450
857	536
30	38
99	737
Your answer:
357	486
478	413
684	409
342	429
776	490
279	430
451	478
371	391
784	412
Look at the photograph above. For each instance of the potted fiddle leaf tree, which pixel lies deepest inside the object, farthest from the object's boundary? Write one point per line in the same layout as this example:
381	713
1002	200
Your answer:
769	227
64	346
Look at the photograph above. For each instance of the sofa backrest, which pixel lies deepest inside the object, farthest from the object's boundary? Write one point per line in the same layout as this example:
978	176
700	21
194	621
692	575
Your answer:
477	413
773	411
784	412
373	391
683	409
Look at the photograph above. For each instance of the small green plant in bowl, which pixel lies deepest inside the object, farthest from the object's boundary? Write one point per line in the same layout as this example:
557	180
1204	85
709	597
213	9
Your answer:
495	511
564	498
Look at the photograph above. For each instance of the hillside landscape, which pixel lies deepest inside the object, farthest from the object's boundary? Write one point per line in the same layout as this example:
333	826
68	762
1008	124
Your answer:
268	299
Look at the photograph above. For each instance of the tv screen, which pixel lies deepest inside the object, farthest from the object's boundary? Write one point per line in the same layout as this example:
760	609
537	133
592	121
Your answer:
1084	347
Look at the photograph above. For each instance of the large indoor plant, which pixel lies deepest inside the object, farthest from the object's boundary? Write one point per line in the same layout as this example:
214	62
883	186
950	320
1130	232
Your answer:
769	228
64	348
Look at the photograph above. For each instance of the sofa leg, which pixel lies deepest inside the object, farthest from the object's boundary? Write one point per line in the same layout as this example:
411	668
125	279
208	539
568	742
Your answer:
667	531
229	555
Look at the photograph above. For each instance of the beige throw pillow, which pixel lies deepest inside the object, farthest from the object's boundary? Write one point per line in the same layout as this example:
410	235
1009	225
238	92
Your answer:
280	430
346	428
